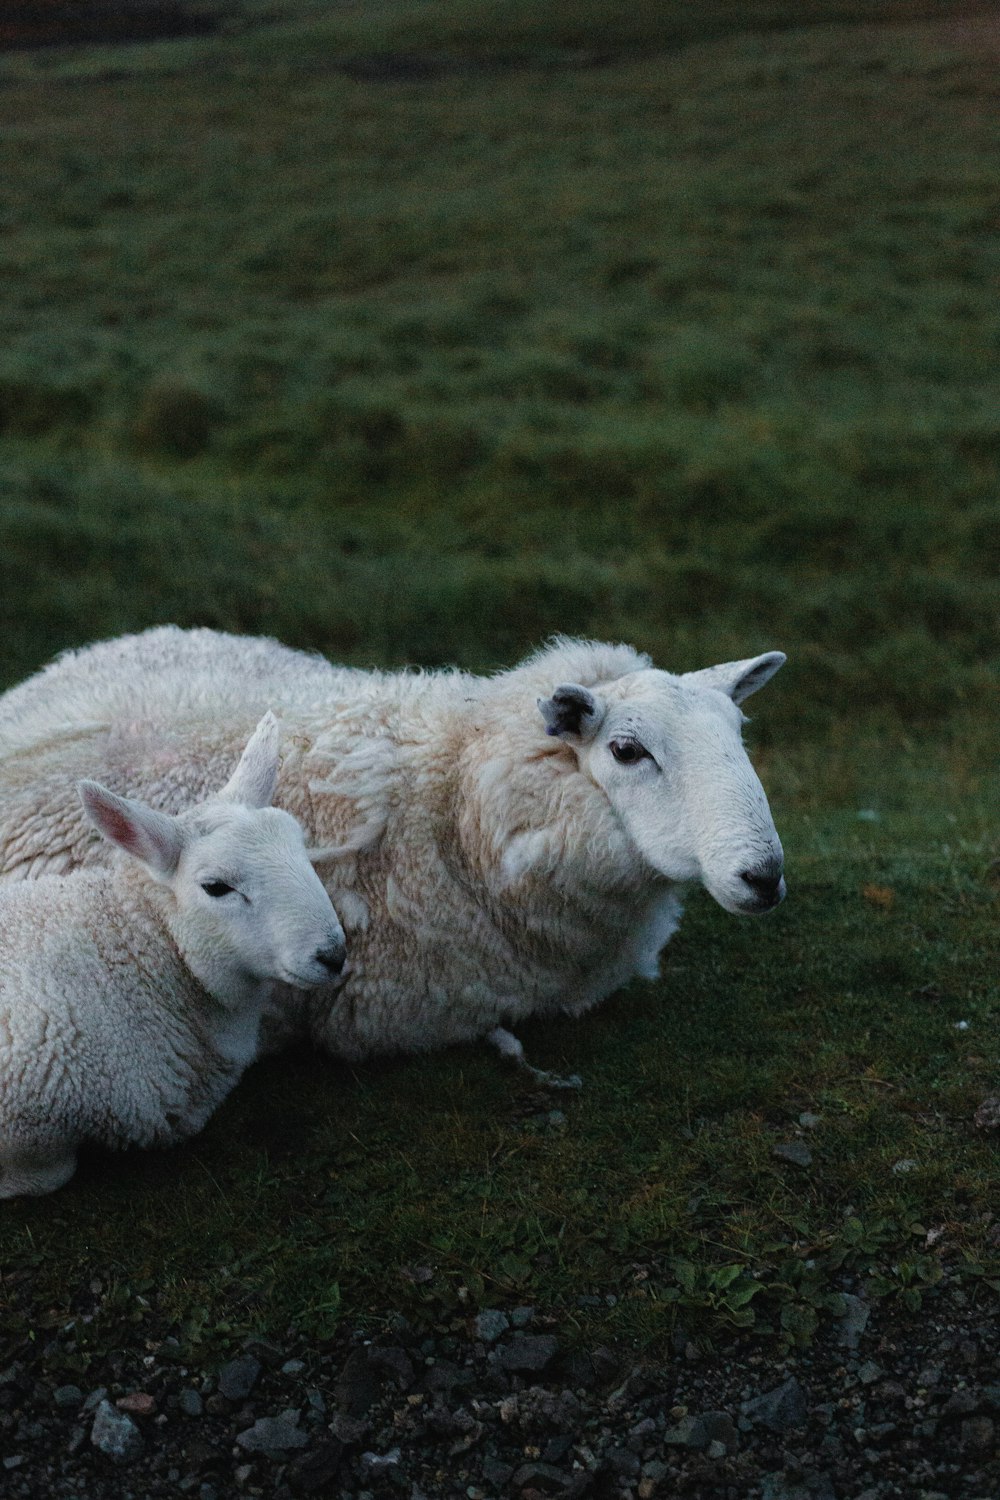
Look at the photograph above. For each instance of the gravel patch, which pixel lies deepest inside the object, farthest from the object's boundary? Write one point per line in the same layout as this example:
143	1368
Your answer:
877	1408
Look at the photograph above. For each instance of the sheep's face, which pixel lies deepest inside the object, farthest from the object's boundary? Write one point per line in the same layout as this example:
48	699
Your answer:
248	900
667	753
247	906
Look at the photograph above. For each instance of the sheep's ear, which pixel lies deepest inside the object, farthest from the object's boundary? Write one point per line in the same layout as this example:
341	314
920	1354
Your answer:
739	678
151	837
573	711
255	778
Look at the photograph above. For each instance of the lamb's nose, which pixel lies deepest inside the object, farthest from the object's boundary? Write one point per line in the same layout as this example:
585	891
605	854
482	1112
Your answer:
332	957
765	882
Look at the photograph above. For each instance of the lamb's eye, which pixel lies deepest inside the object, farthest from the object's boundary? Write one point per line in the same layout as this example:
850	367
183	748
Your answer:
627	752
216	888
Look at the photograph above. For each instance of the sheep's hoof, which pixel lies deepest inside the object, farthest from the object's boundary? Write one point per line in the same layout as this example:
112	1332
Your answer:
508	1046
554	1080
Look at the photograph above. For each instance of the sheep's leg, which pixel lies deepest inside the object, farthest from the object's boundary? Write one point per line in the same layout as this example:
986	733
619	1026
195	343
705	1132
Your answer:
508	1045
35	1172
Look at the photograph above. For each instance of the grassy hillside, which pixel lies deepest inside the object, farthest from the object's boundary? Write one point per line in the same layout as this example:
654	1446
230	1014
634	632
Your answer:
416	332
697	349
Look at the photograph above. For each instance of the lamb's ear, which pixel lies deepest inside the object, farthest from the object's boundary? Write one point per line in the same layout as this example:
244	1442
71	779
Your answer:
740	678
572	711
255	778
151	837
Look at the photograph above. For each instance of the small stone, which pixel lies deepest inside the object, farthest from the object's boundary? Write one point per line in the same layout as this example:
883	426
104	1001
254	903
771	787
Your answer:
375	1463
779	1409
987	1116
809	1121
496	1472
778	1487
293	1367
529	1352
238	1378
533	1474
869	1372
14	1461
137	1404
347	1429
273	1436
395	1362
491	1323
95	1398
854	1320
904	1165
689	1432
977	1435
68	1396
190	1403
521	1317
115	1434
622	1462
262	1349
313	1471
556	1448
797	1152
716	1450
720	1428
358	1384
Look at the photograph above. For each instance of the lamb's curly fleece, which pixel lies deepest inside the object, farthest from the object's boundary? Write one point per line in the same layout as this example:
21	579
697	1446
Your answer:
105	1034
417	785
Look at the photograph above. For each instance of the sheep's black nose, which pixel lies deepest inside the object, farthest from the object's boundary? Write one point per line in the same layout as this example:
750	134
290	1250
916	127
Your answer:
332	957
765	882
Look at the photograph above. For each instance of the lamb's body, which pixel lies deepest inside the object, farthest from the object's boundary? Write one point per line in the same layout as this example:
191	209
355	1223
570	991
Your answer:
105	1034
480	877
131	996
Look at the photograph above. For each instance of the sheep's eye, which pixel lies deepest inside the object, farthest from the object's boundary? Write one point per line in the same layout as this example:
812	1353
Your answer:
216	888
627	752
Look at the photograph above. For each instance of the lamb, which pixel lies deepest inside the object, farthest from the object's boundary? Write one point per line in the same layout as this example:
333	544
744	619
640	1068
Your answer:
131	996
497	847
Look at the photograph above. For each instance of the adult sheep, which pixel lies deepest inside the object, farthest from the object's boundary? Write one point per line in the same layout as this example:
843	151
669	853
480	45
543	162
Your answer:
496	847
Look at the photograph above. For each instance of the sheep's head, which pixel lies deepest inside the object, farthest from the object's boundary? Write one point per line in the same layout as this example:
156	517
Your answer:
667	753
247	906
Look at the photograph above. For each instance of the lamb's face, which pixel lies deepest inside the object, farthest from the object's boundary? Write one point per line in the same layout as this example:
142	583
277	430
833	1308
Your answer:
249	900
247	906
667	753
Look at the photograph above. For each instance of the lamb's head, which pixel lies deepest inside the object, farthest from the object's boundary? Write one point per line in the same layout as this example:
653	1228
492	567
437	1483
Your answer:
245	905
668	755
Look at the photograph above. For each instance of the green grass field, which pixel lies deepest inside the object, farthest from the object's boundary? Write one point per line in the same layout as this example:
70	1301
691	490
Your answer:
414	335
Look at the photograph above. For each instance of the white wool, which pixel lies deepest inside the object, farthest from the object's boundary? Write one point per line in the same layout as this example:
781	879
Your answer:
485	869
131	997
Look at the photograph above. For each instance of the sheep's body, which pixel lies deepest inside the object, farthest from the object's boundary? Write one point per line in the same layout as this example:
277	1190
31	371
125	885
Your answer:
131	996
105	1034
479	875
